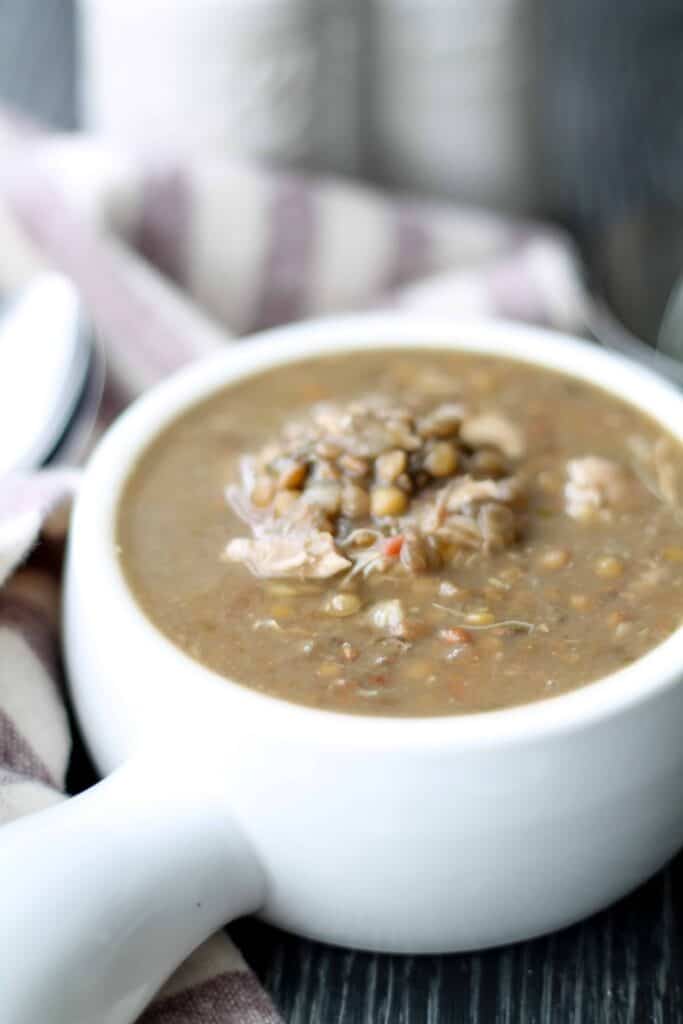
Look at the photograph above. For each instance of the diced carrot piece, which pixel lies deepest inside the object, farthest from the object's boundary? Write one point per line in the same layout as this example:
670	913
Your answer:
392	546
456	635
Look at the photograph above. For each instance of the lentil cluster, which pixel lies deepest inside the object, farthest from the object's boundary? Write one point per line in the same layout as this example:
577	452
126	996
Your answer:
372	486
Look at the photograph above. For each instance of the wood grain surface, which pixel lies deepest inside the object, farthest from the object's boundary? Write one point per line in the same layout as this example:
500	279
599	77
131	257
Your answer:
624	966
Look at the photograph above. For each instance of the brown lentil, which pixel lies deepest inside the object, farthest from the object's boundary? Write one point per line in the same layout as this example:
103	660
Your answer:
343	605
405	483
292	476
609	567
443	422
441	459
388	501
389	466
355	501
483	617
487	462
328	670
555	558
282	610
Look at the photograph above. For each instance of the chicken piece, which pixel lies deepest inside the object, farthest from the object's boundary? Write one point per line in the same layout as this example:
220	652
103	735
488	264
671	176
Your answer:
465	491
494	430
454	507
366	427
310	555
594	484
388	617
463	531
498	525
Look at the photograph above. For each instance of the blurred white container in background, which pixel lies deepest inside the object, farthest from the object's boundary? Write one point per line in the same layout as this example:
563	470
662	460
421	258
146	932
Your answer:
454	99
341	96
438	96
200	75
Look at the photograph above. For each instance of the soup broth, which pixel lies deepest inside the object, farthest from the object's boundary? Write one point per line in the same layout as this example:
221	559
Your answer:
409	532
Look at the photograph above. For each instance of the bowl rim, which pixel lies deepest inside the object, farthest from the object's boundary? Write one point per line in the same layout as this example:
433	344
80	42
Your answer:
113	459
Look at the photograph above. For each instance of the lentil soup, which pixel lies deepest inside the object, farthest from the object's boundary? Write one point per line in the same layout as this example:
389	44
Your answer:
409	532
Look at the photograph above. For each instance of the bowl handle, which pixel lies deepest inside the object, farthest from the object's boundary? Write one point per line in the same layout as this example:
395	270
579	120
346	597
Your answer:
102	896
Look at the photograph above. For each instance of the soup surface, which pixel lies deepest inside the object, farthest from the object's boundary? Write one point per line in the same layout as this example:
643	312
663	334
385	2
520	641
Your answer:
409	532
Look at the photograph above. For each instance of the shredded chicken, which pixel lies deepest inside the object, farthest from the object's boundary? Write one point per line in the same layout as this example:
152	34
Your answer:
463	512
464	492
498	526
365	427
309	555
388	617
594	484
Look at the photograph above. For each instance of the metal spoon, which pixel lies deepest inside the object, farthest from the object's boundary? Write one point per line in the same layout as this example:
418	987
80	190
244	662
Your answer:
670	335
51	376
611	333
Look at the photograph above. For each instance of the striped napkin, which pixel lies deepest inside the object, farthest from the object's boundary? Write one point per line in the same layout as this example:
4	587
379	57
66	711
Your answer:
173	261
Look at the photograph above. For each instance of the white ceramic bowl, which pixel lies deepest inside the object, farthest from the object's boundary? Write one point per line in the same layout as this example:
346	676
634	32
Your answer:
408	835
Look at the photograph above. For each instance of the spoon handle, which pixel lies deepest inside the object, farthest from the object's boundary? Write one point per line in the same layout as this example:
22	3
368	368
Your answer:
670	337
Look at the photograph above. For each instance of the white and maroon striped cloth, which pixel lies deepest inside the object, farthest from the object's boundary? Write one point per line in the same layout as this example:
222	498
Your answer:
173	261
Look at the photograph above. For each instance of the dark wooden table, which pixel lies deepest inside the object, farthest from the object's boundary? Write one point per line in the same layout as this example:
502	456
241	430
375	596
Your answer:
624	966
